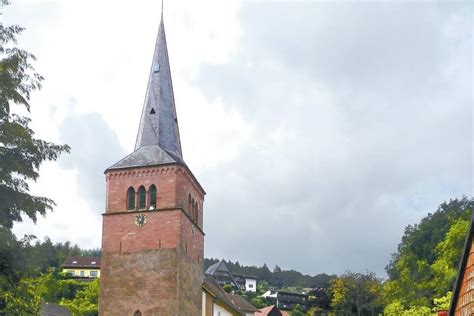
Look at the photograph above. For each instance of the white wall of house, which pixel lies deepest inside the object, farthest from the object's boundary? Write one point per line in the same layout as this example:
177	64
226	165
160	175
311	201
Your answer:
270	293
219	311
250	285
204	303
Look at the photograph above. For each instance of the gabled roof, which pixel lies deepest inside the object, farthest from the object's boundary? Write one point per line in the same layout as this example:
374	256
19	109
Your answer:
158	140
219	266
210	285
82	262
270	310
244	276
241	303
462	267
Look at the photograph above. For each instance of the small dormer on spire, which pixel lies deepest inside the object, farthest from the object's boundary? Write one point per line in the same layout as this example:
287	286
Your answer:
159	124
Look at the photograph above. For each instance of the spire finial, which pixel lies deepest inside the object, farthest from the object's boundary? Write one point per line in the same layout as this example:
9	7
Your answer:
162	1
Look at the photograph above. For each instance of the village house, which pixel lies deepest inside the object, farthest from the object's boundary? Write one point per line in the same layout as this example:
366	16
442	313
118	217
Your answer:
82	267
271	311
287	300
223	276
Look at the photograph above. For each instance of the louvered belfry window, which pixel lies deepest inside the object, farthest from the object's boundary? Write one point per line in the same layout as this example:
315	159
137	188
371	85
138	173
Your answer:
141	198
153	195
130	199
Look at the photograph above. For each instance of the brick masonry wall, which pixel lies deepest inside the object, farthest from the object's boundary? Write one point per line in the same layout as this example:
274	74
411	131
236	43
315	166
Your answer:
143	280
465	302
156	268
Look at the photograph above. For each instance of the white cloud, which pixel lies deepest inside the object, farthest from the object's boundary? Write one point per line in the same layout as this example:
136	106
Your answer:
319	130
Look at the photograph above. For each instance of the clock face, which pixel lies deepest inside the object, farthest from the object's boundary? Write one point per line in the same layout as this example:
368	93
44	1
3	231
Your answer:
140	219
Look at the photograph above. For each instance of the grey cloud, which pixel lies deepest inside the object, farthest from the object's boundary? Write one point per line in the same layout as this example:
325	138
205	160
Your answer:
374	101
94	147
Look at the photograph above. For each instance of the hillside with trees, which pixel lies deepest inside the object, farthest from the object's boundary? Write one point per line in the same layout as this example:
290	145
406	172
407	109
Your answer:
421	273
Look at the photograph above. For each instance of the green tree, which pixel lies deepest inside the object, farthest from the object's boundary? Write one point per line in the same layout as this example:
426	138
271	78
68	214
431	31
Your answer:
26	296
297	311
86	301
448	253
356	293
442	303
21	154
425	265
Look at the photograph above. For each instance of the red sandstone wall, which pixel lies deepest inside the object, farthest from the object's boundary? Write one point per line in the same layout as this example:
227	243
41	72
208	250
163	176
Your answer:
465	303
143	280
192	243
156	268
118	182
187	186
162	230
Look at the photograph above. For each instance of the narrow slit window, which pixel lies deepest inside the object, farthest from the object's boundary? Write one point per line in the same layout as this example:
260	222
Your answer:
152	197
197	212
130	199
141	198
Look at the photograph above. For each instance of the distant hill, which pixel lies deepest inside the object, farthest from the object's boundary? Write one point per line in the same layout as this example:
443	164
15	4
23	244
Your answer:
277	278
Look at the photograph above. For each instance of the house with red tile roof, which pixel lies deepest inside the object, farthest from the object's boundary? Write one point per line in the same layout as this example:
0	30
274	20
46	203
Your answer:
271	311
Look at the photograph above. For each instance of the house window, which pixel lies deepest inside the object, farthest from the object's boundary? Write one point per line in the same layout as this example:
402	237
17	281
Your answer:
93	274
82	273
141	197
152	196
130	199
251	286
71	272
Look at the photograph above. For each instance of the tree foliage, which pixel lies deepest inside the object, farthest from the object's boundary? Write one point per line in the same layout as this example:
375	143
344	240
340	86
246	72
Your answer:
30	292
21	154
85	303
357	293
24	283
425	266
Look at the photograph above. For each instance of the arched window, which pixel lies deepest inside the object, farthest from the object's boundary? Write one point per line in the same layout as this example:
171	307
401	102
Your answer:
192	208
152	196
141	197
137	313
130	199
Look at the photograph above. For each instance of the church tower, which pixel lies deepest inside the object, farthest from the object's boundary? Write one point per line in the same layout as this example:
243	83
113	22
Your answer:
152	234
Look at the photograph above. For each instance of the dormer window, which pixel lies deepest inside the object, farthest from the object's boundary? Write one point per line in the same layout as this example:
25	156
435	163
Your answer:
74	261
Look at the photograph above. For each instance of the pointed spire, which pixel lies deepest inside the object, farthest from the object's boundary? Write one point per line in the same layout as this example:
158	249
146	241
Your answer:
158	124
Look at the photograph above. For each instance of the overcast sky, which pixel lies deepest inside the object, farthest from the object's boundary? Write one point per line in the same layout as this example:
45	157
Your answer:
318	129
